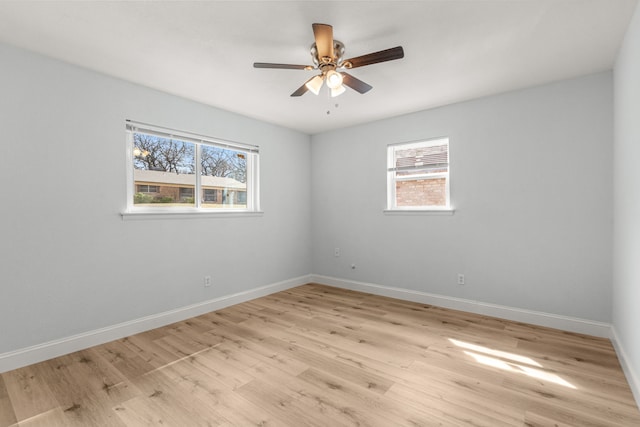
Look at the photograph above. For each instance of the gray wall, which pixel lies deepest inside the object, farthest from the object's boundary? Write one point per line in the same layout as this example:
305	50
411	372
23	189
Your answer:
626	248
531	184
68	262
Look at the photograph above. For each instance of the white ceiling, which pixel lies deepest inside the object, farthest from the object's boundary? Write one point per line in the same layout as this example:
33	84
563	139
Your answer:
204	50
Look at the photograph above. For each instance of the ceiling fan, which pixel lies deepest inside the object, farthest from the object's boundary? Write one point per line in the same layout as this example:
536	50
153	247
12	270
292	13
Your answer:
327	56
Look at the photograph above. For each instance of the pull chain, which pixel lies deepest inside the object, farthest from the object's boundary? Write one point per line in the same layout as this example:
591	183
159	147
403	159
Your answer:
336	105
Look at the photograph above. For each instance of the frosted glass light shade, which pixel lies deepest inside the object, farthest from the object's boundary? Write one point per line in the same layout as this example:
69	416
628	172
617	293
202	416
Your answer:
337	91
334	79
314	84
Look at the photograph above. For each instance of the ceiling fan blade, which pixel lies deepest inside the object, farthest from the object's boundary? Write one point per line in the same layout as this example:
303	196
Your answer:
376	57
323	34
355	84
285	66
302	89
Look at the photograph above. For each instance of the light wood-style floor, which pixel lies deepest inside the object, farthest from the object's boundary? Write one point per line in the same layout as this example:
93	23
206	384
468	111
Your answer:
321	356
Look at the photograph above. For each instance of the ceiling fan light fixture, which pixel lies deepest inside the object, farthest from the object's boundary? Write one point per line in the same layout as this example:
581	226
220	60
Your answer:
337	91
315	84
334	79
327	54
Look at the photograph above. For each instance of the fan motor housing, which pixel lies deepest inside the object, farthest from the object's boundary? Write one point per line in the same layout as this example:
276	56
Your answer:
335	62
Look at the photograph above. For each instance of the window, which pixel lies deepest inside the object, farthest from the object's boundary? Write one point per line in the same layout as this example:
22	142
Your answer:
179	171
186	193
148	188
210	195
418	175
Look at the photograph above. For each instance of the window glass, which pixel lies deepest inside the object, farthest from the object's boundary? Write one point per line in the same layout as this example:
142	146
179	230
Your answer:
165	165
224	171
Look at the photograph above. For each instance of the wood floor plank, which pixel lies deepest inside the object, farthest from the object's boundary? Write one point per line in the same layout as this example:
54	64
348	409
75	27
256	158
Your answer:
359	404
536	420
226	373
85	388
145	347
599	409
266	355
281	404
317	356
474	390
147	411
447	409
193	336
124	359
29	392
171	404
7	415
53	418
358	377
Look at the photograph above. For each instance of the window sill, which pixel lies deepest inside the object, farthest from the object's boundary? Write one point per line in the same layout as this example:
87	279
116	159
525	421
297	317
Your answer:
146	215
427	212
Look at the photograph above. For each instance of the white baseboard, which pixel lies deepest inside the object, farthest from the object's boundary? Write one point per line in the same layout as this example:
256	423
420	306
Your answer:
38	353
632	376
564	323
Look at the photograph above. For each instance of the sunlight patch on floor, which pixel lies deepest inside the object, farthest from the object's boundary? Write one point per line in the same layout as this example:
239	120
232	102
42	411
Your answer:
501	354
495	358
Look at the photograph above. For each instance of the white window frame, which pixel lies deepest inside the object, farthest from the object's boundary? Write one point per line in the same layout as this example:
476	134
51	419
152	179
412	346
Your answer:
132	211
392	179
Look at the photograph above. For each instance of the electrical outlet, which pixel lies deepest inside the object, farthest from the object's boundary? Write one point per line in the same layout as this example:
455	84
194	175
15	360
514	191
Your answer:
336	252
207	281
460	279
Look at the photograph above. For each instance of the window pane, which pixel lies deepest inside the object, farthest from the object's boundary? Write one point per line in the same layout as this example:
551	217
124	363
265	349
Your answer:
164	171
421	192
422	156
224	178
